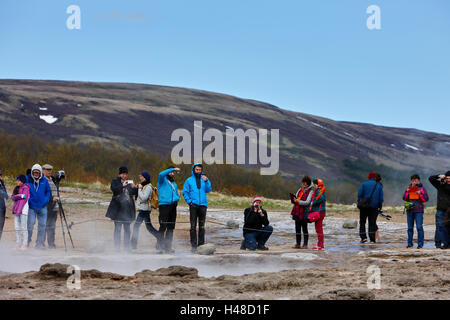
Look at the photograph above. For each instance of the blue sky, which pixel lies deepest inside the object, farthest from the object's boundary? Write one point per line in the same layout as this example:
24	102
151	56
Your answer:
310	56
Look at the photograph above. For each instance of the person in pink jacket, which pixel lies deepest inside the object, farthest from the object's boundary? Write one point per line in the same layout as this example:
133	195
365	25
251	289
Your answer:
20	197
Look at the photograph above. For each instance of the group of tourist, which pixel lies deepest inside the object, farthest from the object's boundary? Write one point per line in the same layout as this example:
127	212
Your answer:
36	197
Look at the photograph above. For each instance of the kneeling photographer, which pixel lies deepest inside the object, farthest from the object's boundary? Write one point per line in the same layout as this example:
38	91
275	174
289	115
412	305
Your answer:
256	227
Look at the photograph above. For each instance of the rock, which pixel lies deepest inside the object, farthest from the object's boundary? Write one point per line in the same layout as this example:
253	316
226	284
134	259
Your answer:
232	224
347	294
350	224
53	271
206	249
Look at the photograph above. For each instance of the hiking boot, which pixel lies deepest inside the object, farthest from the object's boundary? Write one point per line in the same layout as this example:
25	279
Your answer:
408	246
363	241
262	248
297	246
304	247
419	247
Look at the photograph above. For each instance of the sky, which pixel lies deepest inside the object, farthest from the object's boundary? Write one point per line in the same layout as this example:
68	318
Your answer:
317	57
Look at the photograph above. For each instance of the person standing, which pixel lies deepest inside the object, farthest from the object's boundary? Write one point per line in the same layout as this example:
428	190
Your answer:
442	183
194	192
20	196
168	201
39	196
302	201
256	228
122	209
145	191
373	192
417	195
318	204
3	197
52	207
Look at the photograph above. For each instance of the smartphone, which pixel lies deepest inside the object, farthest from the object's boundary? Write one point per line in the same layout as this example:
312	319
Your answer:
129	181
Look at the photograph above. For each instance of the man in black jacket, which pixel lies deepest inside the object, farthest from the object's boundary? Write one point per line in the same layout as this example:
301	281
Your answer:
3	197
122	209
442	184
256	227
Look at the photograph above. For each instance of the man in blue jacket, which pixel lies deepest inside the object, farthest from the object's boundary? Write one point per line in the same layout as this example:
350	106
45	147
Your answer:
194	192
376	203
39	196
168	200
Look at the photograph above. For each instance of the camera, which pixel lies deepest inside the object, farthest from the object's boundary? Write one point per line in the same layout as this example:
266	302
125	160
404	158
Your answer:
59	175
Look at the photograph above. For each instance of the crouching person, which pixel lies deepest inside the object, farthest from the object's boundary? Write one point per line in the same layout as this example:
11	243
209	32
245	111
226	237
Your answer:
256	227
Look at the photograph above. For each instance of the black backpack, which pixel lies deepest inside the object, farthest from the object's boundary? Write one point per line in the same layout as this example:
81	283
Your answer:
364	203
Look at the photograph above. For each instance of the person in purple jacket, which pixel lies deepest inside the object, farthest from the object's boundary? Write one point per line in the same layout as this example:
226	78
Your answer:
20	196
417	195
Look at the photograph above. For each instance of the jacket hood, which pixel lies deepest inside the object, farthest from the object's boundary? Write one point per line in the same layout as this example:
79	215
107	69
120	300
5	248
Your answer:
194	165
38	167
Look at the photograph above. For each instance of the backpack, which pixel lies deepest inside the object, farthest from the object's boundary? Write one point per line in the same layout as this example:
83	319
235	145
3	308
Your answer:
364	203
154	203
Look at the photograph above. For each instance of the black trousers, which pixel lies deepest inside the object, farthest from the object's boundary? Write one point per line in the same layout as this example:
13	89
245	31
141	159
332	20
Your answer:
52	216
371	214
167	220
197	213
301	225
2	221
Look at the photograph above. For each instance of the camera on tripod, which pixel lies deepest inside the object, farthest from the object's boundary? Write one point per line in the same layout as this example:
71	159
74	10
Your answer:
59	175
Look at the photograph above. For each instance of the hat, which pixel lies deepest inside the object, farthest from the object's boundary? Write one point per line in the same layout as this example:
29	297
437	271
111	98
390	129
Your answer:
372	175
123	170
47	167
447	174
22	178
256	198
146	175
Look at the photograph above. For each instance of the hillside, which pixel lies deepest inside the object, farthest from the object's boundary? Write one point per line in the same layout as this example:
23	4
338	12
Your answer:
145	116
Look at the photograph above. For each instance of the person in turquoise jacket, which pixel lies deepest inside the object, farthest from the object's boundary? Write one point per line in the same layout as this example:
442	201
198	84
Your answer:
194	192
168	200
319	204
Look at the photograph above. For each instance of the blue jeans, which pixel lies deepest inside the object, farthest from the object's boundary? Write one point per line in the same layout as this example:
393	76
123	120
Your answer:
143	216
41	216
418	218
253	240
441	234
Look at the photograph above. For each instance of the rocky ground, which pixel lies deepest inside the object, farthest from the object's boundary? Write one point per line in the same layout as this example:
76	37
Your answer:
344	270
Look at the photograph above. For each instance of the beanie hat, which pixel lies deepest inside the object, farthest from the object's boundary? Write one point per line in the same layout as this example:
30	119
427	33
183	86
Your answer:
146	175
22	178
447	174
256	198
372	175
123	170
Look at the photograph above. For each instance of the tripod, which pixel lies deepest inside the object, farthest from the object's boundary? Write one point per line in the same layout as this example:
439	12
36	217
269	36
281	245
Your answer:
61	217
